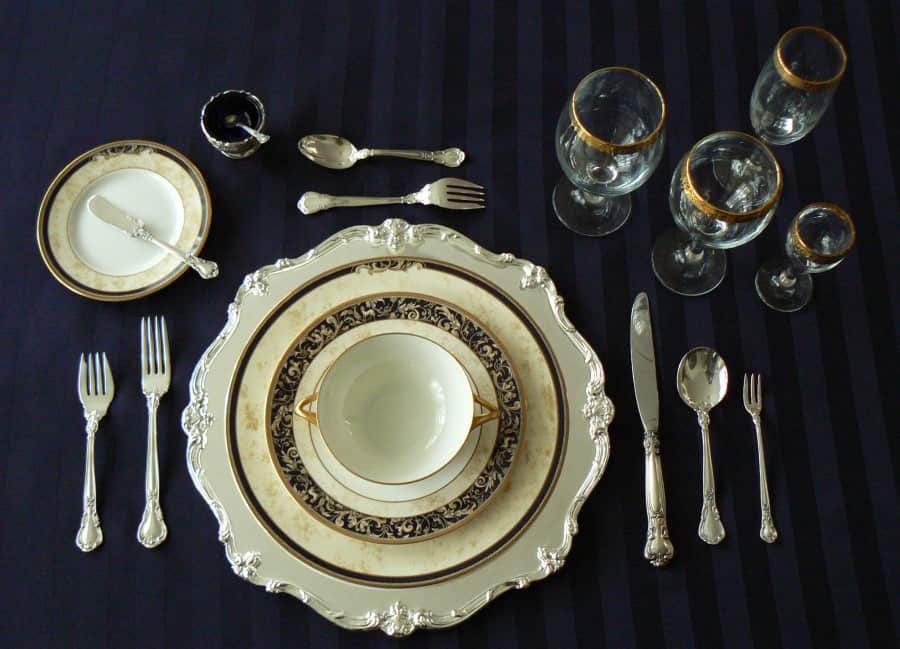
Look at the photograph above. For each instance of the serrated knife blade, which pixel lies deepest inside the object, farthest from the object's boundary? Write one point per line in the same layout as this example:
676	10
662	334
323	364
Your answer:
658	550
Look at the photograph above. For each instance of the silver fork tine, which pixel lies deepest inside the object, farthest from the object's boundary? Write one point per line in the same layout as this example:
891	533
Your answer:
759	389
143	345
453	189
98	373
82	376
746	393
92	376
165	346
464	184
157	345
107	375
460	205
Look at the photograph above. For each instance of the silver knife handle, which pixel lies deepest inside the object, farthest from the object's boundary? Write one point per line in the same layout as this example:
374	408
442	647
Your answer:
205	268
452	157
659	549
711	529
90	535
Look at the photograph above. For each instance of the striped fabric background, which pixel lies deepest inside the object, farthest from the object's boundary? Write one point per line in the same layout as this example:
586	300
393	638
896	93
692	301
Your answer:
490	77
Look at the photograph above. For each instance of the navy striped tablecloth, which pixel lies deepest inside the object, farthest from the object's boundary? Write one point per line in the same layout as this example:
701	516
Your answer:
490	77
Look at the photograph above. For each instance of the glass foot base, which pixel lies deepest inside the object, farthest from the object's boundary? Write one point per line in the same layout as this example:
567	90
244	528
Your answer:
686	269
770	286
589	214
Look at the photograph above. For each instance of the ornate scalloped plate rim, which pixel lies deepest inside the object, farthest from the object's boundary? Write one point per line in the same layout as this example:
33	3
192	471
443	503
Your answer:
378	607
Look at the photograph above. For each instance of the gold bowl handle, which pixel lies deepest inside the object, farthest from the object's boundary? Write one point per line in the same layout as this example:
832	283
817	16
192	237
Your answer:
492	412
308	415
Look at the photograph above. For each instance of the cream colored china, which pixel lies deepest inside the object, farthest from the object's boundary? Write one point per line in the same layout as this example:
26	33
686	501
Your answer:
157	185
523	534
379	499
394	408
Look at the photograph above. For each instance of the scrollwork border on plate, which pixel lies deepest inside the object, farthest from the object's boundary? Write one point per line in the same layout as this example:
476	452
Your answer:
398	619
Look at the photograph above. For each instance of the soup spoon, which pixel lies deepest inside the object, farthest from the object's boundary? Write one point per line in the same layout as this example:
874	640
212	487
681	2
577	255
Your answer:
335	152
234	121
702	381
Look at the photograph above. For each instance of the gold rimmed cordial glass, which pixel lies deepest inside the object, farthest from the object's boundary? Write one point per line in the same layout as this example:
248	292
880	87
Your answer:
796	84
609	139
723	194
820	236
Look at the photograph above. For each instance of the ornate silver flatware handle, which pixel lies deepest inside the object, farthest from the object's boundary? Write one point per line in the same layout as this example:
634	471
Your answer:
152	531
659	549
711	529
205	268
89	536
767	531
452	157
312	202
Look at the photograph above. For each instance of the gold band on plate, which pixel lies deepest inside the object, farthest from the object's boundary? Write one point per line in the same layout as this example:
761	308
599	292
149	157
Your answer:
806	250
610	147
729	216
792	78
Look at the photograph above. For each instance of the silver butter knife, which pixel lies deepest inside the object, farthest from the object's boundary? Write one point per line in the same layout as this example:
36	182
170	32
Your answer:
658	550
134	227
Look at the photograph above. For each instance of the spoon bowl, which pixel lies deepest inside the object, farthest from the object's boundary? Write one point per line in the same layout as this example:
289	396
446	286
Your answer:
702	378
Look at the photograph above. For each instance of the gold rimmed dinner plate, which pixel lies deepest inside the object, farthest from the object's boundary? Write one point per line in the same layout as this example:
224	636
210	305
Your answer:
526	530
152	182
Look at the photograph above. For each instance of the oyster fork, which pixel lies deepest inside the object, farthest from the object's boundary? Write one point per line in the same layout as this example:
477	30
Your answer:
155	379
753	405
95	391
449	193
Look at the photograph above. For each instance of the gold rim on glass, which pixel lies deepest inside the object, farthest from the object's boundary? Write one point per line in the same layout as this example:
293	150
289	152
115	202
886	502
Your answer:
806	250
713	211
794	79
611	147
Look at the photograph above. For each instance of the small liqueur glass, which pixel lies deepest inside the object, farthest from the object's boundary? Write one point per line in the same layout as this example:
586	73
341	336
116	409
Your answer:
796	84
723	194
609	139
219	118
820	236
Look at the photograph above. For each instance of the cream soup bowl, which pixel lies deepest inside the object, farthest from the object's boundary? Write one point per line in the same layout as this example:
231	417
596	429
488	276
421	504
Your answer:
395	408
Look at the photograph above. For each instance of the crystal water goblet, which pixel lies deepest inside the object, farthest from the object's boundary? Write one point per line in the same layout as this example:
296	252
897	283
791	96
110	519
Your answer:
796	84
723	194
609	139
819	238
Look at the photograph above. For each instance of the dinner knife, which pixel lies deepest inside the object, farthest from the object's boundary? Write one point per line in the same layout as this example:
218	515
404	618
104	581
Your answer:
134	227
658	549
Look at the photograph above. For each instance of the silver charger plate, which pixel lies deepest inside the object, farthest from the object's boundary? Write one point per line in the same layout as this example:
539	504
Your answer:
536	550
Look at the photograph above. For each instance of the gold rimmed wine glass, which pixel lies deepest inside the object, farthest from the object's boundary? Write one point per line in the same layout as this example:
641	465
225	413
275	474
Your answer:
723	194
796	84
819	238
609	139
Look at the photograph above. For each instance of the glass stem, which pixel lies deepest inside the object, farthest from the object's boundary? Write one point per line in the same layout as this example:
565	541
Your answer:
693	252
786	278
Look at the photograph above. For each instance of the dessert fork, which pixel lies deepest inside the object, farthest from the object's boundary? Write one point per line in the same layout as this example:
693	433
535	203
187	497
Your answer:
449	193
753	405
155	379
95	391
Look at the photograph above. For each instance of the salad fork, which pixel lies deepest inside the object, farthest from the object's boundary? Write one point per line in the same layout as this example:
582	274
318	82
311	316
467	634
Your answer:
155	379
95	391
449	193
753	405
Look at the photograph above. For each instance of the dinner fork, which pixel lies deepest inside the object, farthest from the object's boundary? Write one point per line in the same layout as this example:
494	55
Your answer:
449	193
753	405
95	391
155	379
